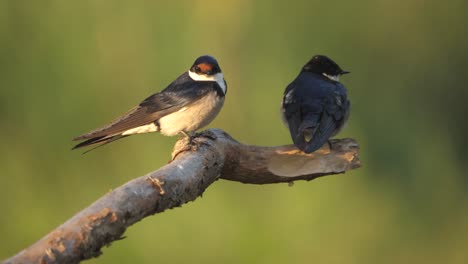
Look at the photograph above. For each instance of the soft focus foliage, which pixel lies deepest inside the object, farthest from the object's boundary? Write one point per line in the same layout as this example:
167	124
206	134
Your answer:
69	66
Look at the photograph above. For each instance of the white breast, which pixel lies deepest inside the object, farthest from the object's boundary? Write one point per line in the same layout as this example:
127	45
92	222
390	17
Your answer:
192	117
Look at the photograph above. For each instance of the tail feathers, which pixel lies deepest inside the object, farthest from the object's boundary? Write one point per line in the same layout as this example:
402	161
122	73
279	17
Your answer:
313	145
308	138
313	135
104	140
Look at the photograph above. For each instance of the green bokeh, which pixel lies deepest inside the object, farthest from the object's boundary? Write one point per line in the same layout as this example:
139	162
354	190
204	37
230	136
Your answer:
69	66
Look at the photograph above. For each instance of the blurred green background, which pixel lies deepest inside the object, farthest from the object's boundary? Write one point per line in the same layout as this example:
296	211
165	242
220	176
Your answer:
67	67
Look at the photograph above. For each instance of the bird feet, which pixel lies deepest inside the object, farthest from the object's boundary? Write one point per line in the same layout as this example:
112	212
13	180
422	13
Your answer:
207	134
193	135
331	143
192	141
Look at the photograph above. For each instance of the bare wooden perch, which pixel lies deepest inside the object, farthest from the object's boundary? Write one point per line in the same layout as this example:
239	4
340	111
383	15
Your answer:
194	167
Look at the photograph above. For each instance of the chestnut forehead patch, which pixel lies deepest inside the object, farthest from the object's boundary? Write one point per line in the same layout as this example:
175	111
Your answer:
205	67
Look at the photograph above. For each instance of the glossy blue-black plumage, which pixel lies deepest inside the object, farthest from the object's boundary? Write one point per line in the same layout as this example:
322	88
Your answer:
315	108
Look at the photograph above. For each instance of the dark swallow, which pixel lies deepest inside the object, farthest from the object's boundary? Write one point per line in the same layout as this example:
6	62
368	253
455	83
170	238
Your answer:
315	105
190	102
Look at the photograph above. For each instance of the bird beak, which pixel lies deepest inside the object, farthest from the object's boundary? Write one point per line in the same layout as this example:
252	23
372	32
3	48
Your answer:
344	72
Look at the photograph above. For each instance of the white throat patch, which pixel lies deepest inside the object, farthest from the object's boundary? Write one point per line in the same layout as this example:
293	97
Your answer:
219	78
335	78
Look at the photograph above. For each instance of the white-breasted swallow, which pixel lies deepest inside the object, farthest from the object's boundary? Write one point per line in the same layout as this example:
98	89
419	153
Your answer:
190	102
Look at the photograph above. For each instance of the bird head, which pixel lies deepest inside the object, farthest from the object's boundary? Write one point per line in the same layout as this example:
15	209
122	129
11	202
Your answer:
205	65
325	66
206	68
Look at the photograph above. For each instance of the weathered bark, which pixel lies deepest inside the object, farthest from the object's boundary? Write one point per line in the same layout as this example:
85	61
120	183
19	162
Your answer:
213	155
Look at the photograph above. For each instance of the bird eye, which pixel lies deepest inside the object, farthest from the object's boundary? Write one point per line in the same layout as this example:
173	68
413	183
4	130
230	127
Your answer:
197	69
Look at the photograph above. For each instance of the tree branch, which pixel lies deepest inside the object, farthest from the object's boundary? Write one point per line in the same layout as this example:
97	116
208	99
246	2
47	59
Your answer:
213	155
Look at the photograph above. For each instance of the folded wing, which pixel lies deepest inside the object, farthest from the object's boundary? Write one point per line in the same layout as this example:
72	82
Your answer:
152	109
